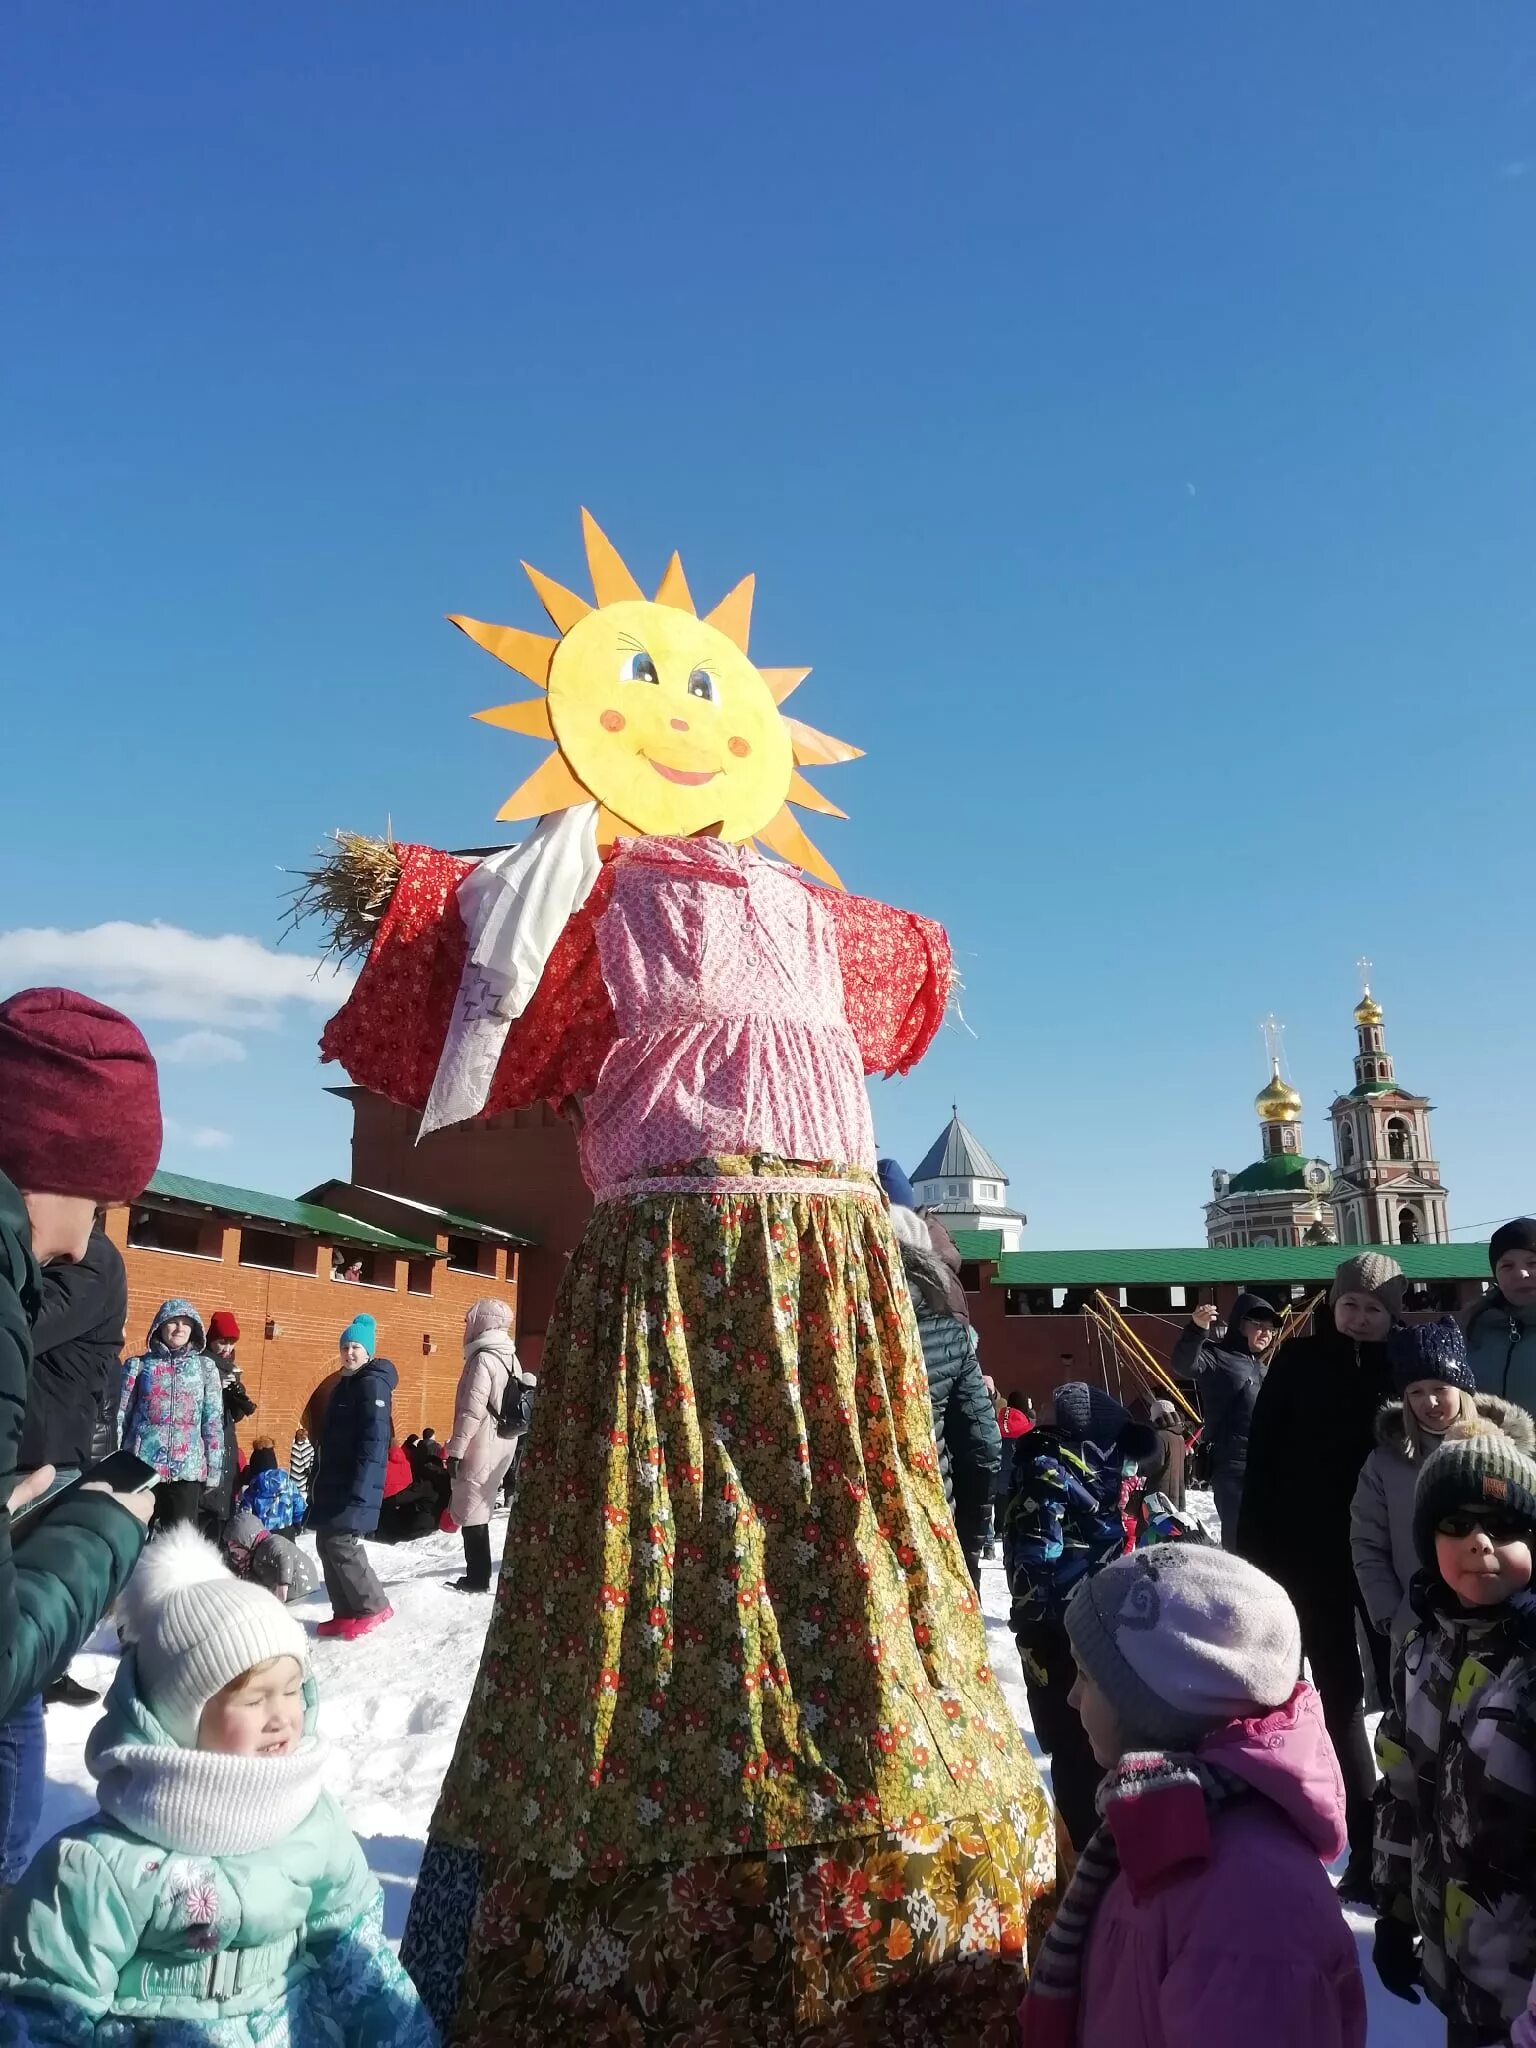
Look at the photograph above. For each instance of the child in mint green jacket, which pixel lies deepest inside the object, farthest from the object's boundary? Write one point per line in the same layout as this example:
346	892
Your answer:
218	1899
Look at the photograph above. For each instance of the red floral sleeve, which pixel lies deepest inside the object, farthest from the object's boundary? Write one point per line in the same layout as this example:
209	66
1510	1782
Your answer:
897	970
389	1033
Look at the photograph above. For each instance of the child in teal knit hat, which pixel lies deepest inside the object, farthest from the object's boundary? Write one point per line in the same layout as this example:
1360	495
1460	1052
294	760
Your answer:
218	1895
349	1486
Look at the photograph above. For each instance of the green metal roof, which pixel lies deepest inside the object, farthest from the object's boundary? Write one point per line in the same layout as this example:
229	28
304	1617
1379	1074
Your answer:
1281	1170
1364	1088
450	1219
977	1244
259	1208
1197	1265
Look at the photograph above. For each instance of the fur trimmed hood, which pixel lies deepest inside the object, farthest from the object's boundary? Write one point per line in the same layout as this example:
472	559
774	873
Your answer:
1395	1431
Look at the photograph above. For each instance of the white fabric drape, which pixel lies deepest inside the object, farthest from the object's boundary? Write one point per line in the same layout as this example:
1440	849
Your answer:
515	906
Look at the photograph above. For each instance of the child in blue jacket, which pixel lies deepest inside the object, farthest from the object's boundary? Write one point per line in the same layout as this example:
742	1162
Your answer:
276	1500
1076	1479
218	1897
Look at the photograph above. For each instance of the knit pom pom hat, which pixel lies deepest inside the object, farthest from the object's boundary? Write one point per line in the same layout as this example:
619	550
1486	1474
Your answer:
222	1324
79	1098
486	1315
1182	1638
196	1628
1371	1273
1482	1471
361	1330
1430	1351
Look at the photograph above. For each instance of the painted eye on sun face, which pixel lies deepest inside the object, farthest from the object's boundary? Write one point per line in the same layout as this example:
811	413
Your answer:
702	684
638	668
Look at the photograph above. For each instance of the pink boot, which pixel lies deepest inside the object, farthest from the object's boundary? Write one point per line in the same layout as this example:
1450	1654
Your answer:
363	1624
347	1628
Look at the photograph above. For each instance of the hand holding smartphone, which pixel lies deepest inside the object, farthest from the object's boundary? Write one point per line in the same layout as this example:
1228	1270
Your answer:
128	1479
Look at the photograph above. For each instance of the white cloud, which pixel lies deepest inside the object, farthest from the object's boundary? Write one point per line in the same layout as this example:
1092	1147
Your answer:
200	1049
201	1137
158	971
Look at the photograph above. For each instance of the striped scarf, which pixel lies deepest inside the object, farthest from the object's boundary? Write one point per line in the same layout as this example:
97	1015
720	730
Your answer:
1048	2017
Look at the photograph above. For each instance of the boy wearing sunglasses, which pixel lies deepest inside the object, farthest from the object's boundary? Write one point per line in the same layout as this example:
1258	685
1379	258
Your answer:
1455	1865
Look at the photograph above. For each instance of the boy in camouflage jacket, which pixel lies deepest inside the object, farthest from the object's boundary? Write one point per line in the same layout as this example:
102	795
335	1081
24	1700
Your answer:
1455	1860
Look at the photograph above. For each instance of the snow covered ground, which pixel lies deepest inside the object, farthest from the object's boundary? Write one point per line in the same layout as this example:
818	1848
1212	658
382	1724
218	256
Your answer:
391	1706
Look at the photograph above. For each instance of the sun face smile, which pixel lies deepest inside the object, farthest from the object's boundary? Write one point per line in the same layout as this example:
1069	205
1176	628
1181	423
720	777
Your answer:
683	776
658	715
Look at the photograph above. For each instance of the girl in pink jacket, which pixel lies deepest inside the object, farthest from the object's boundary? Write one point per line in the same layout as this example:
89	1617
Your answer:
1200	1911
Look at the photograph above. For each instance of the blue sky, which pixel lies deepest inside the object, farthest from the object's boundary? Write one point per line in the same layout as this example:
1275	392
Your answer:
1128	411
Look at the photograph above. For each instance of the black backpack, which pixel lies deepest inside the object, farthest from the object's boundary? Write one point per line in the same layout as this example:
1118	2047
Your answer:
516	1410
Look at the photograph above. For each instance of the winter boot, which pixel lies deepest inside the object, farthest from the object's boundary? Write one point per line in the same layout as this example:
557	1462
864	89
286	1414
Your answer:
477	1560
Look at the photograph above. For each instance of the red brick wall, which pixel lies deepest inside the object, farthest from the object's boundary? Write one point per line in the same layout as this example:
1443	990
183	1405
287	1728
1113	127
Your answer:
283	1371
520	1172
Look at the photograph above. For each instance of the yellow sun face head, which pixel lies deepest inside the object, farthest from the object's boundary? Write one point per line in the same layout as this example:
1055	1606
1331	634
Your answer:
664	720
658	715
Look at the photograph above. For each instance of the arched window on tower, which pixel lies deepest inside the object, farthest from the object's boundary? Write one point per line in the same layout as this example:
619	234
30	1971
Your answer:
1346	1144
1408	1227
1399	1146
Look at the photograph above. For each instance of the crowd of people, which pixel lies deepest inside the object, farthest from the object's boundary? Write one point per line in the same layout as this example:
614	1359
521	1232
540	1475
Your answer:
1203	1705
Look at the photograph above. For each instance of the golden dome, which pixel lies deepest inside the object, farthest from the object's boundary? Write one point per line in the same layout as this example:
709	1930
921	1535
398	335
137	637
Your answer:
1368	1011
1278	1103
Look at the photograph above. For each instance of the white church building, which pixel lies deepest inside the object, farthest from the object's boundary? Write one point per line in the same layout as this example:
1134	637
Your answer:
964	1185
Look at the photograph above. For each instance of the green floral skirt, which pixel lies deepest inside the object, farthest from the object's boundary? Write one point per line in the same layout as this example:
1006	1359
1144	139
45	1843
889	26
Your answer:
733	1620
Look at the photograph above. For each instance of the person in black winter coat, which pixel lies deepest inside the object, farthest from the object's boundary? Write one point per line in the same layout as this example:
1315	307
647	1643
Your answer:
78	1345
223	1334
969	1443
1227	1373
349	1485
71	1419
1313	1429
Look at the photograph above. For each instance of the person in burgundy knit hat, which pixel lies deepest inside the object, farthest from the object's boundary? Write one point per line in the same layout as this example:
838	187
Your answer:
79	1128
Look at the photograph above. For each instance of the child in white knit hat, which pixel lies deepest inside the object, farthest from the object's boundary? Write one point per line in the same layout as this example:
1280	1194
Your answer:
1201	1909
218	1895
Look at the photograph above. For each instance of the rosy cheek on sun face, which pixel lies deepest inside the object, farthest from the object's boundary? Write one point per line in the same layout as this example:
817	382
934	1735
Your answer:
612	721
740	748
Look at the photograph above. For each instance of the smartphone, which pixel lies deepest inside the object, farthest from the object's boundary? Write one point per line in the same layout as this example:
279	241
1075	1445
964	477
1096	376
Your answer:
122	1472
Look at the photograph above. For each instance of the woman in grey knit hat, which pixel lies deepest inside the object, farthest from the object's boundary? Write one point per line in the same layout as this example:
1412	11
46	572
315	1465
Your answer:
1313	1429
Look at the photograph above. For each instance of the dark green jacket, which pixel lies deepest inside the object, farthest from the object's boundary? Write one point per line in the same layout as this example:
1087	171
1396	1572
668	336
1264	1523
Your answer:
62	1574
970	1445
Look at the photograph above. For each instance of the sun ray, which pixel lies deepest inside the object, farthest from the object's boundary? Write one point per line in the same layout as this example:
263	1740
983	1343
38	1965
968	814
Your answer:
782	680
815	749
783	834
530	717
529	653
563	605
810	798
551	787
673	589
611	580
733	614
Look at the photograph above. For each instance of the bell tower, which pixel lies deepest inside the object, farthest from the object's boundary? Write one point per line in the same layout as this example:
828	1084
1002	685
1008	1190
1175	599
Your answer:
1387	1188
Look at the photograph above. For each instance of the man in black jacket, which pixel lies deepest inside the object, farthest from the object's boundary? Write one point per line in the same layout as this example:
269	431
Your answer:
219	1501
77	1354
1227	1373
78	1336
1313	1429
